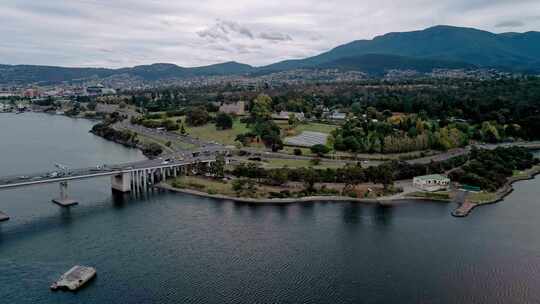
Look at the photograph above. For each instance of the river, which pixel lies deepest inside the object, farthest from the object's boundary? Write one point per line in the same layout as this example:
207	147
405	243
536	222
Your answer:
174	248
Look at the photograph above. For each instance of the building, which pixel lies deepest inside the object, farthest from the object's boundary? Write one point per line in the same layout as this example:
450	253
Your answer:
237	108
284	115
95	90
431	183
32	93
334	115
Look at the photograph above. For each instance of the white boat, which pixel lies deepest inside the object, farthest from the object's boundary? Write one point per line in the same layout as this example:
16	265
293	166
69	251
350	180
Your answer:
74	278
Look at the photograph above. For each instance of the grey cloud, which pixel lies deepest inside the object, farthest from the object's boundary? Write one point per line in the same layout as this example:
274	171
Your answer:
117	33
223	29
510	23
274	36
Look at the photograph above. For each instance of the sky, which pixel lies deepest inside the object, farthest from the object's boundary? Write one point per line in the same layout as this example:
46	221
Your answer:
123	33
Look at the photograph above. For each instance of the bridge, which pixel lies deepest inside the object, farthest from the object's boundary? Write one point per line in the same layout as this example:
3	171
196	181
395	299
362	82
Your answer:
128	177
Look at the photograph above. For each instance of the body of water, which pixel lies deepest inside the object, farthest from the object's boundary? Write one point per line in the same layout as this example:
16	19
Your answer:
173	248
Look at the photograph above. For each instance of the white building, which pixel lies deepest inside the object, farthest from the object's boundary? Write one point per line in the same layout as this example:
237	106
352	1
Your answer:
431	183
284	115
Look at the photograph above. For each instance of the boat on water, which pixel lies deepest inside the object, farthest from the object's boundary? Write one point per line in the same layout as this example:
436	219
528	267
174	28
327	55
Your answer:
74	278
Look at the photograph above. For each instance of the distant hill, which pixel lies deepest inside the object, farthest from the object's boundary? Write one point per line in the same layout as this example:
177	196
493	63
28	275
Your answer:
378	64
509	50
424	50
166	70
157	71
50	74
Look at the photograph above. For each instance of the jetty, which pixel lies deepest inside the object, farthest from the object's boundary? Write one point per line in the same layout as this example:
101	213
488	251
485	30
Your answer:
3	216
74	278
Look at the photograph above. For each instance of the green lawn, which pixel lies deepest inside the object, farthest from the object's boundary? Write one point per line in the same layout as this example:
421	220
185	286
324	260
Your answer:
212	186
481	197
203	184
273	163
147	140
443	196
210	133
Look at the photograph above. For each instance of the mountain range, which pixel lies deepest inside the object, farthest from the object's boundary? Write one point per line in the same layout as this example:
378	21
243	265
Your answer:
424	50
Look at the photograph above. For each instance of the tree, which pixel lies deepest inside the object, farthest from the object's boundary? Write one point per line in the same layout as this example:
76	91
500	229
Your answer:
278	177
320	150
273	141
197	116
183	129
309	177
218	167
262	107
224	121
293	121
152	149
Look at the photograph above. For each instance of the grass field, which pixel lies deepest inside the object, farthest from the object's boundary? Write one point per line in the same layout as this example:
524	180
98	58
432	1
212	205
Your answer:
482	197
273	163
299	163
203	184
212	186
210	133
442	196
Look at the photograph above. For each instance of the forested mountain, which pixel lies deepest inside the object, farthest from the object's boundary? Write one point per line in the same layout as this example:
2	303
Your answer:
509	50
157	71
435	47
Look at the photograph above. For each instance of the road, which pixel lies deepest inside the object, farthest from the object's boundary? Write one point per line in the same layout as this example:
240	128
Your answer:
168	161
172	137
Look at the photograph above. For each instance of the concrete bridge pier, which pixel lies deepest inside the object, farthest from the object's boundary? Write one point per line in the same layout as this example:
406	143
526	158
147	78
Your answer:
145	179
64	200
122	182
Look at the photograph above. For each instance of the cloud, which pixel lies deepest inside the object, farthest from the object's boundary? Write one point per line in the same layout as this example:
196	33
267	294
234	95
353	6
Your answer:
273	36
510	23
116	33
223	30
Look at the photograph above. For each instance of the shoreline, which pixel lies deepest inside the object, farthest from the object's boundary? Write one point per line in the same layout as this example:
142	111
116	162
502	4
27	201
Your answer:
467	207
461	211
388	200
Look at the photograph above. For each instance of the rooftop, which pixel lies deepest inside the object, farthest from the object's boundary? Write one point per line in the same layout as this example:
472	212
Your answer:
432	177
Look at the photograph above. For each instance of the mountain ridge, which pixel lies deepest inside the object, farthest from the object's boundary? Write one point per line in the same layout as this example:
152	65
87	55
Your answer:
441	46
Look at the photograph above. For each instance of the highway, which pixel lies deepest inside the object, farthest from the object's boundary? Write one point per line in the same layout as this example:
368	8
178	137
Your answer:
167	161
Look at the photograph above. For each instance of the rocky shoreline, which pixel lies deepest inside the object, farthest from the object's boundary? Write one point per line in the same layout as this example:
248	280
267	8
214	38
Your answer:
462	211
467	206
388	200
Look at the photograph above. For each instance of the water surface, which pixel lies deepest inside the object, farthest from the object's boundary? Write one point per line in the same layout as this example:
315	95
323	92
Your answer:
173	248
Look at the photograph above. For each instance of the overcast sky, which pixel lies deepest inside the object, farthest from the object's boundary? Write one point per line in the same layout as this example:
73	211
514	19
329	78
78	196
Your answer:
119	33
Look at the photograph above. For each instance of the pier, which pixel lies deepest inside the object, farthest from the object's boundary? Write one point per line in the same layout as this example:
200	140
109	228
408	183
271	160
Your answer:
3	216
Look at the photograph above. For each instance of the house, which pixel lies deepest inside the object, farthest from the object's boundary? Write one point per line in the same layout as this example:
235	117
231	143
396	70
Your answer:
284	115
237	108
431	183
338	116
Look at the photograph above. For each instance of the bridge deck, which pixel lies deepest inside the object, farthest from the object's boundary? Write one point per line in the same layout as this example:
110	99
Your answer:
86	173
